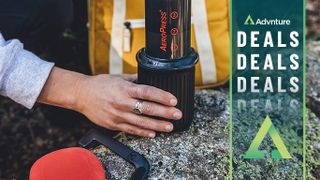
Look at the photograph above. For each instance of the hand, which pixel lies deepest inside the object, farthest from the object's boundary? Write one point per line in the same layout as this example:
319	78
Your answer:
108	101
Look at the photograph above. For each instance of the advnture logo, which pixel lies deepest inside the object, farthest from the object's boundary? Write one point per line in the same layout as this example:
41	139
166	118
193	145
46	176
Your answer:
249	21
267	127
267	22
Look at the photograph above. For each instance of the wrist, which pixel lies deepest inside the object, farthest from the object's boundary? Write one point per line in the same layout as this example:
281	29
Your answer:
62	89
80	92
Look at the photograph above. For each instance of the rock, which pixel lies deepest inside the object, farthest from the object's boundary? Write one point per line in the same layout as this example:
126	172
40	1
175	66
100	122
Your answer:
313	18
313	81
313	103
313	146
202	152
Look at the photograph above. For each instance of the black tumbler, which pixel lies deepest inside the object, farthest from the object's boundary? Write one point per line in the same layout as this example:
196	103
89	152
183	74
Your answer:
168	61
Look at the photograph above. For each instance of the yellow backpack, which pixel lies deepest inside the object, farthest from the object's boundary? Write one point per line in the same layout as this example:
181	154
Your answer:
113	50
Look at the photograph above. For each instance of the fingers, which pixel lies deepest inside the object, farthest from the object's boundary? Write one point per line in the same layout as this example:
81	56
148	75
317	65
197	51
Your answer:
133	130
147	123
153	94
153	109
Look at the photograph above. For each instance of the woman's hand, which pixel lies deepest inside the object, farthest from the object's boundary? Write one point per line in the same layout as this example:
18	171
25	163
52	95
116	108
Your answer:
108	101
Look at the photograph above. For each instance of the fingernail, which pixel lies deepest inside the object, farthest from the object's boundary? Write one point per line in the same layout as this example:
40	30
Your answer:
169	127
152	135
173	102
177	115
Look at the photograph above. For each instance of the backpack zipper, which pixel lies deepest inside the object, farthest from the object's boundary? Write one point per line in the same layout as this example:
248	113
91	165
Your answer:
127	32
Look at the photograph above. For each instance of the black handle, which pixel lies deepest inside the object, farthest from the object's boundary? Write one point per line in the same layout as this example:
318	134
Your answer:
141	164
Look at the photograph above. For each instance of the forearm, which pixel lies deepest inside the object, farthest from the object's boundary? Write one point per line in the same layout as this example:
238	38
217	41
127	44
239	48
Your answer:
62	89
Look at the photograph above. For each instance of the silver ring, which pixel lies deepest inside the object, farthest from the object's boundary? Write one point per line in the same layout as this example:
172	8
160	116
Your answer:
138	107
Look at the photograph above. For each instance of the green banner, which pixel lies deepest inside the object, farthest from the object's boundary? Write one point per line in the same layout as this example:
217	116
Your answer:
267	89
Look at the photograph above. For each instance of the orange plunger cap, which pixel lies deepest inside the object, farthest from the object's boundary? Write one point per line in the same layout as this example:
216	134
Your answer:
68	164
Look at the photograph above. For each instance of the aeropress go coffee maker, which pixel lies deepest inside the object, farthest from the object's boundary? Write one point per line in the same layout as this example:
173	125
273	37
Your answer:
168	61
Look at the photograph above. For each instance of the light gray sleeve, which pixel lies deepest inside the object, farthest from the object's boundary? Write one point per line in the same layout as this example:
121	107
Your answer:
22	74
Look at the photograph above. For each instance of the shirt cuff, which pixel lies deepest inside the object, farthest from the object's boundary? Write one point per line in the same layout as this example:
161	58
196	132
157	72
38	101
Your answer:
26	78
